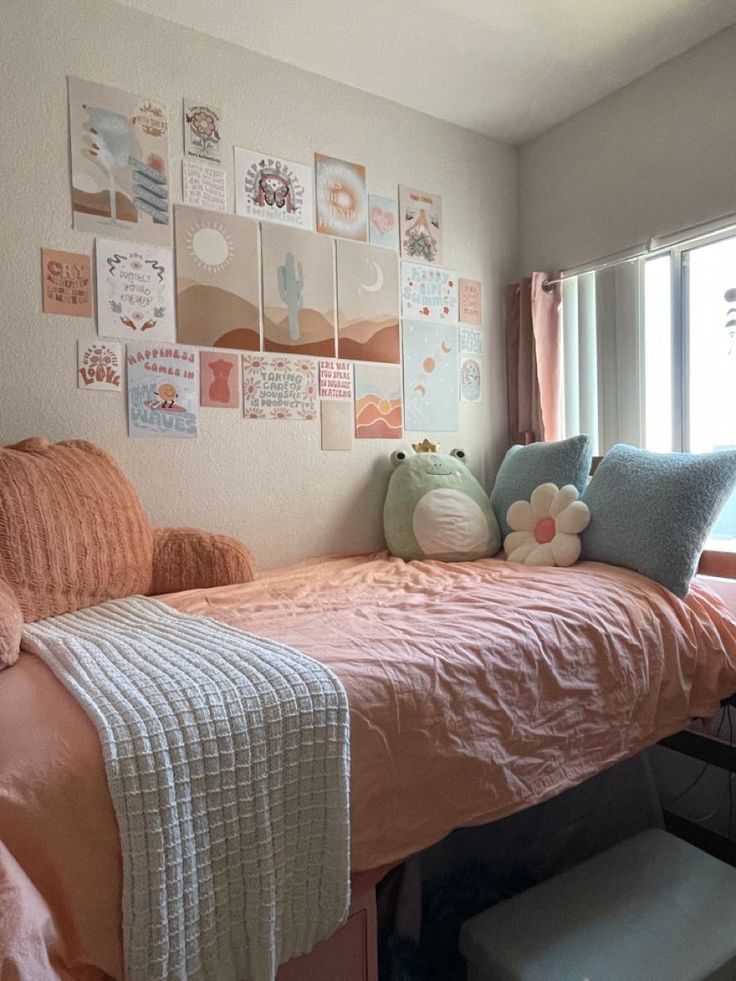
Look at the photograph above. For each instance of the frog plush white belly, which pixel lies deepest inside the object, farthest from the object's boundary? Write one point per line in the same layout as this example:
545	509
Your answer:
436	509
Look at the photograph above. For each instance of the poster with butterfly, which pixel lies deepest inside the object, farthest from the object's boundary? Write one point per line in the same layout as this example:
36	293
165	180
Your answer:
269	188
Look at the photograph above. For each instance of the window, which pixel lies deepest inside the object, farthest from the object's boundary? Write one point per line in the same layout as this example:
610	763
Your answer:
689	341
650	346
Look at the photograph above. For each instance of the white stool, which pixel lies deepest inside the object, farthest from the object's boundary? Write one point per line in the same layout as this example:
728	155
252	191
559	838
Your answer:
652	908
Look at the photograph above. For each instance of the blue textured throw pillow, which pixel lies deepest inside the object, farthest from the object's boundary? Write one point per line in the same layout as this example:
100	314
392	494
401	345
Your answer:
526	467
651	512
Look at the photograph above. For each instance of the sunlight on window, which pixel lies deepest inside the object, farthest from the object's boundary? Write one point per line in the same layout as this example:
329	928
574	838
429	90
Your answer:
712	357
658	354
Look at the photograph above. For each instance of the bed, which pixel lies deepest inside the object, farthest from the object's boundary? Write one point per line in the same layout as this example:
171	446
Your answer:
475	689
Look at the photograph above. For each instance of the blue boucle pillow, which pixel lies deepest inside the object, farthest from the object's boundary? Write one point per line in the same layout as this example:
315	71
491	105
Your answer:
651	512
526	467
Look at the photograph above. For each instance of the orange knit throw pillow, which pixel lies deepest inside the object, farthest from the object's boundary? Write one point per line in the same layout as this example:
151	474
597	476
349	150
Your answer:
72	530
11	626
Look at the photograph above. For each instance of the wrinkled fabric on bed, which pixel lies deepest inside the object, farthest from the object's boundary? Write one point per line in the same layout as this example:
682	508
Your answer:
475	689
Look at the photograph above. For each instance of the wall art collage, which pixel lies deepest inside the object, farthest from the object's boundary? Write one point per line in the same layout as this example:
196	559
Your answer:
312	300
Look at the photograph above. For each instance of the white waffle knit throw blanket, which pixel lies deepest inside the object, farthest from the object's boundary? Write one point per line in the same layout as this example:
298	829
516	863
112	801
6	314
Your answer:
227	760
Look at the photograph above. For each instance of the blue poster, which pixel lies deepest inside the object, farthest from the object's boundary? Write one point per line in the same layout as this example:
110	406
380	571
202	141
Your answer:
430	377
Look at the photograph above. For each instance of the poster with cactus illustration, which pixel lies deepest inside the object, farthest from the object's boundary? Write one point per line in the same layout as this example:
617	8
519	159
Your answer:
298	292
420	225
367	303
219	380
216	279
135	290
119	149
163	390
428	294
99	366
202	131
278	387
270	188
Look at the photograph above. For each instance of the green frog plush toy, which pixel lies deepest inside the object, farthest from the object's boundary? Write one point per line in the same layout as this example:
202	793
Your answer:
436	509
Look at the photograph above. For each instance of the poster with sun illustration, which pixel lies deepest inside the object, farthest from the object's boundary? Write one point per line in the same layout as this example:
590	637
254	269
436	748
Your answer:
216	279
342	201
135	290
119	148
298	292
378	401
163	390
430	377
367	303
420	225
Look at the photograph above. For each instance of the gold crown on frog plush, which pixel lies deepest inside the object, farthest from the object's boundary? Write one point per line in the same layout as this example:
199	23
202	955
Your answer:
425	446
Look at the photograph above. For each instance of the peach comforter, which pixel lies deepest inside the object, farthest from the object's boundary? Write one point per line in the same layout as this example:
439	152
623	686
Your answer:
476	689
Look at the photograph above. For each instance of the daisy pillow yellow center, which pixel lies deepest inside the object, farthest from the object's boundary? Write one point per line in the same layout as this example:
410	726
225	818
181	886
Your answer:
546	528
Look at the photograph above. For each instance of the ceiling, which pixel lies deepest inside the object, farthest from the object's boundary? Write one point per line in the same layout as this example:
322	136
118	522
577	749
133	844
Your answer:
507	68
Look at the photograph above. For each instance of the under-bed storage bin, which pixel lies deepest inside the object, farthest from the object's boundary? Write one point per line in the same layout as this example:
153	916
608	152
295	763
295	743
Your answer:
652	908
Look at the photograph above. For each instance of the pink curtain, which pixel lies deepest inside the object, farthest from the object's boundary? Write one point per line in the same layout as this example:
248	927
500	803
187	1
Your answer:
533	360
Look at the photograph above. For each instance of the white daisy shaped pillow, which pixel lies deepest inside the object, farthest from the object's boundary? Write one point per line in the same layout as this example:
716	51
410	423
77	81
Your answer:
546	528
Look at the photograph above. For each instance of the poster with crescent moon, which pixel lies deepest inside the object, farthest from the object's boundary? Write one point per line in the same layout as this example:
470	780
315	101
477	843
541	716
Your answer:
420	216
342	201
298	292
216	279
430	377
428	293
367	304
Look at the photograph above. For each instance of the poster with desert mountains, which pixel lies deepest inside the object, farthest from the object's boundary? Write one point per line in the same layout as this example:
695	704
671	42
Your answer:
298	292
367	303
216	279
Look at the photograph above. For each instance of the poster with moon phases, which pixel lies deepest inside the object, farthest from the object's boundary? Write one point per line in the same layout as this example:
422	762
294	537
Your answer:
298	292
119	150
430	377
420	225
428	293
342	202
216	279
367	304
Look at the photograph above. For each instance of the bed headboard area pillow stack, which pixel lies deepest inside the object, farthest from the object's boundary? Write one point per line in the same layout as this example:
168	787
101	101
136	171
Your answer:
73	533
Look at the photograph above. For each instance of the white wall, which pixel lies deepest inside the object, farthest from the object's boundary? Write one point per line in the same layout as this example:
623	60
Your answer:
268	483
654	157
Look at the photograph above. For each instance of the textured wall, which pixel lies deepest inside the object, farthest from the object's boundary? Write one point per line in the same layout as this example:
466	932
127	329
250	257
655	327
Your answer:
267	482
652	158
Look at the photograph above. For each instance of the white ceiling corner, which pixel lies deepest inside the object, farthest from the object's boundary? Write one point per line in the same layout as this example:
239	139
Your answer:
507	68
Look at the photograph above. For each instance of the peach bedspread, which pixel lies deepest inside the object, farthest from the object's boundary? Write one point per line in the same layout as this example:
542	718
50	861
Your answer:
476	689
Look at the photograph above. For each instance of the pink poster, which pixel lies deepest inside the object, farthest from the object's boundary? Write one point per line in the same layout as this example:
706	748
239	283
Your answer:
219	380
470	302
